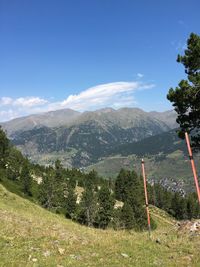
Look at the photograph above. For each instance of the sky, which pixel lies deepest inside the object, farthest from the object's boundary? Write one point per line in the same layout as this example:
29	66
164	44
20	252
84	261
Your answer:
91	54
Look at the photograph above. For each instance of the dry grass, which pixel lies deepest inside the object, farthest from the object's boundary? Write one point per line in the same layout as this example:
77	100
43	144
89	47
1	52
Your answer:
32	236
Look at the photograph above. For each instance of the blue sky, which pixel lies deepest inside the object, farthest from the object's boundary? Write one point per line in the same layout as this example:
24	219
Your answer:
88	54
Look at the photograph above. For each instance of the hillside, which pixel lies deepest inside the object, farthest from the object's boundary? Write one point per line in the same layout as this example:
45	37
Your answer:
164	143
172	170
80	139
124	117
48	119
32	236
166	159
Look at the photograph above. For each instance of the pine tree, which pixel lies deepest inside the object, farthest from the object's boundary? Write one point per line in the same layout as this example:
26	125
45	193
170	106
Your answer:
91	179
4	146
185	97
70	202
26	179
59	187
138	210
179	207
193	209
87	208
47	189
14	162
51	193
129	188
124	181
105	207
58	172
127	216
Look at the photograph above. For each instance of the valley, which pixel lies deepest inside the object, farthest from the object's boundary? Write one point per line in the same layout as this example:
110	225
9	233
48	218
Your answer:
106	140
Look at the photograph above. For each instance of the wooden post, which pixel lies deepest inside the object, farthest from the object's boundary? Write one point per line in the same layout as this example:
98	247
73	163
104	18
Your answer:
146	198
192	165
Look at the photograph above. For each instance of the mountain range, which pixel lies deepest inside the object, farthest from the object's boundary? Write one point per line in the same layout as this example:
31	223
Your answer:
80	139
106	140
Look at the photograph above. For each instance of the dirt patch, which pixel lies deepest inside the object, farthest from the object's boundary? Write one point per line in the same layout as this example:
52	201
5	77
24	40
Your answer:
192	227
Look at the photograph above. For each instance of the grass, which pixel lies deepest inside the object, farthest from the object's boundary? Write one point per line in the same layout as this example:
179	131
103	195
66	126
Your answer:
32	236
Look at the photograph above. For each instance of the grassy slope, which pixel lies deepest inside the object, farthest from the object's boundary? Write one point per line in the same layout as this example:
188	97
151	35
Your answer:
32	236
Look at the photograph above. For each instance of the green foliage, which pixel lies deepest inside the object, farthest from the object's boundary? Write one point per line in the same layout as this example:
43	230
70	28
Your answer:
71	203
129	189
180	207
87	208
14	163
47	189
51	195
127	218
185	97
58	171
125	181
4	146
105	207
27	230
193	208
166	142
56	192
26	179
91	179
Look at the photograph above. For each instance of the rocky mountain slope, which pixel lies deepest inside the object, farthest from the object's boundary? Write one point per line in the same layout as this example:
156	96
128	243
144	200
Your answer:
48	119
124	117
83	138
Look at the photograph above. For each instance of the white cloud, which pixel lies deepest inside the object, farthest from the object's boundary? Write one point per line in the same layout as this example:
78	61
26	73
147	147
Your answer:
5	101
116	95
104	95
140	75
22	101
8	115
29	101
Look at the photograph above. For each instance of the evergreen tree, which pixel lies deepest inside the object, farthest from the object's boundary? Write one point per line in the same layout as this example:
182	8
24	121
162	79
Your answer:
47	189
116	222
4	146
91	179
70	203
105	207
127	216
26	179
179	207
59	187
193	208
138	208
124	181
14	161
129	189
160	201
58	172
185	97
87	207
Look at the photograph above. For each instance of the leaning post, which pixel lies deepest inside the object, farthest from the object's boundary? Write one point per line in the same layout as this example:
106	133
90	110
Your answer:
146	198
192	165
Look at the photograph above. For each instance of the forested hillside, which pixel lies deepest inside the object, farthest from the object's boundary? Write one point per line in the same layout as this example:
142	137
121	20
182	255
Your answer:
58	190
83	138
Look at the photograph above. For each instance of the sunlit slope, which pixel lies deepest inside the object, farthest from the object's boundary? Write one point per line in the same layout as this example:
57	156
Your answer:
32	236
173	167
